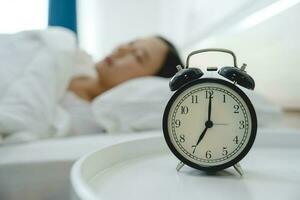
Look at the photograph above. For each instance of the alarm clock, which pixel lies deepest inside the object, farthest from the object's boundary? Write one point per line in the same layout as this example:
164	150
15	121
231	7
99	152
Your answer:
209	123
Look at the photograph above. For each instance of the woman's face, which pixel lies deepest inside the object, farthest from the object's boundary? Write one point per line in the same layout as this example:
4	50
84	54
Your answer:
142	57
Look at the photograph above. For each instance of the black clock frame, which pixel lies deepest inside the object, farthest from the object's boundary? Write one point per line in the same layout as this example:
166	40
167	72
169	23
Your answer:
252	133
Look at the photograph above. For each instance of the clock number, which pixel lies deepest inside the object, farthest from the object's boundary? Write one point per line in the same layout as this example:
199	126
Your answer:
225	151
209	93
224	99
242	124
184	110
182	138
236	109
194	98
208	154
194	148
177	123
236	139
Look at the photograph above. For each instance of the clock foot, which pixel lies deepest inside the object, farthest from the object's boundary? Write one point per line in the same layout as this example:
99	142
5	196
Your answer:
179	166
239	169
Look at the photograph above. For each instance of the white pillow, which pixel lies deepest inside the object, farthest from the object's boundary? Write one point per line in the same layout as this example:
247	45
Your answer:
138	105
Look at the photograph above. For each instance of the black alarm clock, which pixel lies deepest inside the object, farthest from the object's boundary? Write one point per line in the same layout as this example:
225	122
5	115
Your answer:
209	123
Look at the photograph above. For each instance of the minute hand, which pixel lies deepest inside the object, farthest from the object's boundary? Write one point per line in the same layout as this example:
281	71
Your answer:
209	107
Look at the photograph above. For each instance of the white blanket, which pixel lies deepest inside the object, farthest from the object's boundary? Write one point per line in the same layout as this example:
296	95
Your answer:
35	68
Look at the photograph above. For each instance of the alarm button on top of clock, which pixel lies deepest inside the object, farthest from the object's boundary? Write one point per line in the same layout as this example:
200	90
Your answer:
209	69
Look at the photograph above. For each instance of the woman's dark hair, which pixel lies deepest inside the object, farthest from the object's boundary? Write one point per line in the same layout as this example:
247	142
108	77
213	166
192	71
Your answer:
172	59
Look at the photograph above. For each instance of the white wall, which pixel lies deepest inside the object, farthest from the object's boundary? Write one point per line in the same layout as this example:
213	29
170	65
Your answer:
103	24
270	47
20	15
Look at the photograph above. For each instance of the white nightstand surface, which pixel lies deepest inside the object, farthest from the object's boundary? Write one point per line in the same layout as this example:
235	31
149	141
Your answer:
145	169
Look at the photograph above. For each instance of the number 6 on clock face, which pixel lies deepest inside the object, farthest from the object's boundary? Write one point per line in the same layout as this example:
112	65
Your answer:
209	124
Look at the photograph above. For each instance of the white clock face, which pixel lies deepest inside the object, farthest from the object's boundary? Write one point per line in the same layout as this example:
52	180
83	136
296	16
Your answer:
209	124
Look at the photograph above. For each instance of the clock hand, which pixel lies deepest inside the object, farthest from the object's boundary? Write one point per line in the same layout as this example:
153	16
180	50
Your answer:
224	124
209	107
202	135
200	138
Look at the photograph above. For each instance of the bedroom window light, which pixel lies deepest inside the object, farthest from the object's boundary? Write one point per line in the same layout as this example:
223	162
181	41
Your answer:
19	15
266	13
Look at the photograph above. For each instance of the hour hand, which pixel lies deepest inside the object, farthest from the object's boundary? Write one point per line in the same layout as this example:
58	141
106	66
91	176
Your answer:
200	138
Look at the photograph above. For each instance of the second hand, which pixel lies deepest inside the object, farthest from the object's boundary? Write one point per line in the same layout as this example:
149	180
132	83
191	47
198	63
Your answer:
223	124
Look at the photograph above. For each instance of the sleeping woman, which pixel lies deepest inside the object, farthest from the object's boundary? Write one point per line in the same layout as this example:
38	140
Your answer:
151	56
43	96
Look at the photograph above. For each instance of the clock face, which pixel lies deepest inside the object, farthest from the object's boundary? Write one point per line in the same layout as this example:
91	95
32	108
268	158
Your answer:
209	124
